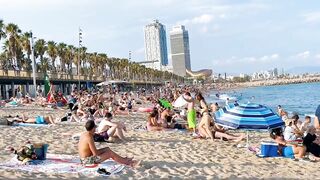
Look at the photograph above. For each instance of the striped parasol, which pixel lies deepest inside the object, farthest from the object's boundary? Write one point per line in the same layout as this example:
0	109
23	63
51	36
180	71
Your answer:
249	116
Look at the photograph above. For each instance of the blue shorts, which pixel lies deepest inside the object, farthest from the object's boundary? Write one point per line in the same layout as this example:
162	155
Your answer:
40	120
288	152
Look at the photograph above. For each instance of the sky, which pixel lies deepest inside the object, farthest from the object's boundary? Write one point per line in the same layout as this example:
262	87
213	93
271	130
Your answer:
232	36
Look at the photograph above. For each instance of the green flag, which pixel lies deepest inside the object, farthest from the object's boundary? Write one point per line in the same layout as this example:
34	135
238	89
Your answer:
46	84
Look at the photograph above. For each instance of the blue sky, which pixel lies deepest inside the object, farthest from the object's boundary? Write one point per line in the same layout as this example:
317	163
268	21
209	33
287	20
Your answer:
230	36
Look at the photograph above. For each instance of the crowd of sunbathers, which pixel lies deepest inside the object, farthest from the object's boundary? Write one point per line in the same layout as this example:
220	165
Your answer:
99	107
298	138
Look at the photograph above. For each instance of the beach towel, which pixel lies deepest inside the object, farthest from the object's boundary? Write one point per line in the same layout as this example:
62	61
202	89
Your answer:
29	125
56	164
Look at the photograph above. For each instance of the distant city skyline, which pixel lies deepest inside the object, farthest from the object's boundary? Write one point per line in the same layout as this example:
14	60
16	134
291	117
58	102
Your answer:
226	36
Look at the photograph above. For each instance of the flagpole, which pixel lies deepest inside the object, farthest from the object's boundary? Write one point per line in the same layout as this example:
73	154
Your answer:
33	66
79	51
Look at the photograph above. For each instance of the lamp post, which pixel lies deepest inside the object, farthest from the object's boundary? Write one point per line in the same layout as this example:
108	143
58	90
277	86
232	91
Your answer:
33	65
79	56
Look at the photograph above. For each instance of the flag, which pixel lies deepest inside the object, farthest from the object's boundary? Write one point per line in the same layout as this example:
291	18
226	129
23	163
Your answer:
46	84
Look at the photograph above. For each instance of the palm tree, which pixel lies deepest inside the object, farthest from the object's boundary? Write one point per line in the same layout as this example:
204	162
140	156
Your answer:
25	45
70	54
53	53
2	31
40	48
61	48
13	31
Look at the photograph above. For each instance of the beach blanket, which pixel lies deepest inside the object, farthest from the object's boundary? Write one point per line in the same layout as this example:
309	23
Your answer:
29	125
55	164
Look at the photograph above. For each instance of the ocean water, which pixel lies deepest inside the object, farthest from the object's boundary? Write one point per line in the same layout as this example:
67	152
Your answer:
294	98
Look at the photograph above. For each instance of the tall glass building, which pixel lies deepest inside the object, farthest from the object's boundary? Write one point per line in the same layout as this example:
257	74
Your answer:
156	44
180	51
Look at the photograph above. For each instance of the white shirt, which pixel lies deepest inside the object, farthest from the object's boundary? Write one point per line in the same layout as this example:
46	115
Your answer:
289	134
102	126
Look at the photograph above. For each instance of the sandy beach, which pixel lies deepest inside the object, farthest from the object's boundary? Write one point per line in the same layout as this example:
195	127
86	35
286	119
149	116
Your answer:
169	154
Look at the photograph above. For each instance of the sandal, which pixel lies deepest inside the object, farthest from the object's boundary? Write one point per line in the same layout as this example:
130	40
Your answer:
103	171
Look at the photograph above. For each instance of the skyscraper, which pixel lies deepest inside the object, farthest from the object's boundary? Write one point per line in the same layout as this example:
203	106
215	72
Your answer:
156	44
180	52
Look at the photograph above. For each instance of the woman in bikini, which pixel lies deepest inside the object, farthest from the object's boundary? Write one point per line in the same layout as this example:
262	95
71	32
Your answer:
206	126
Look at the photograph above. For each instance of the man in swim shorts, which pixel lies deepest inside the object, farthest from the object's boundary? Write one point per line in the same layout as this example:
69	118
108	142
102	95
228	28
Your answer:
191	115
89	154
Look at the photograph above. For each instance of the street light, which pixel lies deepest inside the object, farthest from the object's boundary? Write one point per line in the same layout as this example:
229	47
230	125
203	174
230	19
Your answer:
33	65
79	52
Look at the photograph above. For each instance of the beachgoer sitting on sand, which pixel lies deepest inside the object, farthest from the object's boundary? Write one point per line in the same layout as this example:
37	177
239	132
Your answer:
89	154
287	149
81	112
304	126
172	124
108	129
152	123
164	114
36	120
291	132
101	112
311	146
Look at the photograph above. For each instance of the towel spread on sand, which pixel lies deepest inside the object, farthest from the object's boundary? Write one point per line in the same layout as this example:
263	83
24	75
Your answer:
29	125
62	164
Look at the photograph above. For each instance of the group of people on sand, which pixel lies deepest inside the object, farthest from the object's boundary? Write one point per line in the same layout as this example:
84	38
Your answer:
162	118
98	109
298	138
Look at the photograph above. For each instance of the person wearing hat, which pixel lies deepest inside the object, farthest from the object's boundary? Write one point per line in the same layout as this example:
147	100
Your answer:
317	119
89	154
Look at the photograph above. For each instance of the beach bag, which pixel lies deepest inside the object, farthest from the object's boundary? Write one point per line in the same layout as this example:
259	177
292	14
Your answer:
41	150
30	152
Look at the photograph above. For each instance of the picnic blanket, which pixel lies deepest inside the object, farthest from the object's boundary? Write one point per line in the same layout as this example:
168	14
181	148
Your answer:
29	125
56	164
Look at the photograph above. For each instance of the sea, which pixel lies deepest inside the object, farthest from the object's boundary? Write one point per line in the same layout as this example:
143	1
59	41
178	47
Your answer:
302	99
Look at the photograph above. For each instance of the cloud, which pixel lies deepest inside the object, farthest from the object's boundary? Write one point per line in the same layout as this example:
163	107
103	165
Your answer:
246	60
203	19
317	56
303	55
312	17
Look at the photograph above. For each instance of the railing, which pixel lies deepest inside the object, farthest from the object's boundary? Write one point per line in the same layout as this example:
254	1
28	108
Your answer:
11	74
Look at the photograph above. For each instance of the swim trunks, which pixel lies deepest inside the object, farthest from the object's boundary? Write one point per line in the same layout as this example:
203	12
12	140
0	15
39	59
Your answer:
90	160
40	120
192	119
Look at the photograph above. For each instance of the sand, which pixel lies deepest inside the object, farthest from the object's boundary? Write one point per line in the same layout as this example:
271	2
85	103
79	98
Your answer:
171	154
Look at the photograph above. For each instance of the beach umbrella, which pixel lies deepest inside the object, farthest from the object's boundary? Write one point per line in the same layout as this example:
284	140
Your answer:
165	103
249	116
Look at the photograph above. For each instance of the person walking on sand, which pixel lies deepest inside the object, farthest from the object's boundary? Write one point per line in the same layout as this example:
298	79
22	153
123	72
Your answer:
89	154
191	116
